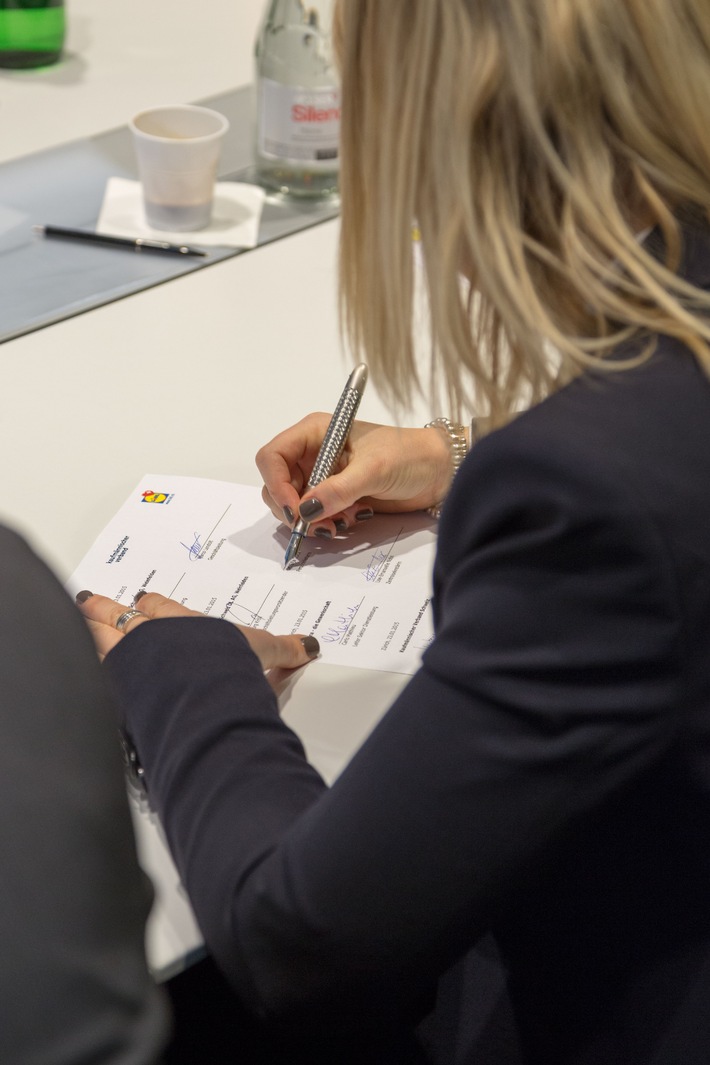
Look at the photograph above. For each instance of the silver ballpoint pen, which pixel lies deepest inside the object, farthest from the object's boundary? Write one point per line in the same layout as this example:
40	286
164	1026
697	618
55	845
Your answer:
330	450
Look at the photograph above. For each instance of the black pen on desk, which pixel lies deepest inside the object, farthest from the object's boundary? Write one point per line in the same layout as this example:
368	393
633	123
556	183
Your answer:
90	236
330	450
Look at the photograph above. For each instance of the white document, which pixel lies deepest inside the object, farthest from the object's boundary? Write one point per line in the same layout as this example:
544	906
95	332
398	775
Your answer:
214	547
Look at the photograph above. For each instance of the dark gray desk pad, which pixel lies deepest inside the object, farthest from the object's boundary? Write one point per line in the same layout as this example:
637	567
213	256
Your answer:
43	281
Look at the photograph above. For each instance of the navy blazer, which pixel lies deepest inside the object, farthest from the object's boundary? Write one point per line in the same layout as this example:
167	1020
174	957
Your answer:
544	776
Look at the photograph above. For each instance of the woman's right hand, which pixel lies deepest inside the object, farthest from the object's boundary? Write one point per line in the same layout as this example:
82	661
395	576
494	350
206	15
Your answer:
382	468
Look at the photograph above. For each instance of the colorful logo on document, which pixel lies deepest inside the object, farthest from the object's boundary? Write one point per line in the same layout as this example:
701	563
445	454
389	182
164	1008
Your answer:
150	496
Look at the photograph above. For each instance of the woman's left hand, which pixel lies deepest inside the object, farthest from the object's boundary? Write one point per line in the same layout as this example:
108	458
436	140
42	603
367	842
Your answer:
102	614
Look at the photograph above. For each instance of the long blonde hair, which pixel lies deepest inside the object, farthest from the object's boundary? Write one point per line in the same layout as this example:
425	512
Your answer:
529	140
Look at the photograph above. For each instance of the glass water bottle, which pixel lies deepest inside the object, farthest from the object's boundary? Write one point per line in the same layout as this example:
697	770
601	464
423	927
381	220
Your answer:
31	32
297	99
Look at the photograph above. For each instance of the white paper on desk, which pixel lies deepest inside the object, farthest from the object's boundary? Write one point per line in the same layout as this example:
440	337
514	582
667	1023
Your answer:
236	215
216	548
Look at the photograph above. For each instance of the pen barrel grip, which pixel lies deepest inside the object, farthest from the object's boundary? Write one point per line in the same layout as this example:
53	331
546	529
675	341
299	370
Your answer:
336	436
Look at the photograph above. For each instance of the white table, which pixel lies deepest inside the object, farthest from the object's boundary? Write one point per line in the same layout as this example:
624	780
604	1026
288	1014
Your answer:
190	377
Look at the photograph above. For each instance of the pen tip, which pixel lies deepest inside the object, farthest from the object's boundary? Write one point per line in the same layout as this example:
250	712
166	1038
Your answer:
291	557
38	229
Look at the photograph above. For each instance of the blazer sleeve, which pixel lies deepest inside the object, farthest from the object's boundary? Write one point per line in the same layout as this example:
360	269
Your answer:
547	687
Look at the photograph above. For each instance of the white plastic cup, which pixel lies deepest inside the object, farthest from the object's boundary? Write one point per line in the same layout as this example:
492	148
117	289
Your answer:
177	149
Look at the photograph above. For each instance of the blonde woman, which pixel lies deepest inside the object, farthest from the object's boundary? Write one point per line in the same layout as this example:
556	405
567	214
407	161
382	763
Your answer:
546	775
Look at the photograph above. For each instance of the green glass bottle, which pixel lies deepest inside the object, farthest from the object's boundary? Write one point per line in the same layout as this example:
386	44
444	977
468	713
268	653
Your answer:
31	32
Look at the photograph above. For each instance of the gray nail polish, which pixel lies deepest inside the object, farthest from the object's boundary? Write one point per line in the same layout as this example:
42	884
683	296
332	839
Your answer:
341	525
83	596
325	534
310	646
311	509
289	515
139	595
365	514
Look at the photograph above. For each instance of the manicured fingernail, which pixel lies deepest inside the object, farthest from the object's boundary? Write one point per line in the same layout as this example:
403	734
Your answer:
341	525
325	534
83	596
311	509
310	646
365	515
289	516
139	595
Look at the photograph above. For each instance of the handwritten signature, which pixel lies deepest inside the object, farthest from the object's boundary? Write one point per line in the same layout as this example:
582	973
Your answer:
194	549
373	566
337	629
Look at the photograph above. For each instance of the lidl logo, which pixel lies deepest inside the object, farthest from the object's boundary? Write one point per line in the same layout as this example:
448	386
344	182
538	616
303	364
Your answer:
154	497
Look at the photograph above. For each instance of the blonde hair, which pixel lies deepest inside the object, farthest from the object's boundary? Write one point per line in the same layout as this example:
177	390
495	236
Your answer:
530	140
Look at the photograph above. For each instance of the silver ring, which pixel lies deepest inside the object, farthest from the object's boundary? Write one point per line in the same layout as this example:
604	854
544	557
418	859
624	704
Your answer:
127	616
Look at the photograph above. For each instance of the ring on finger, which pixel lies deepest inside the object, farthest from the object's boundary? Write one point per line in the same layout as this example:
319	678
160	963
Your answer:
126	616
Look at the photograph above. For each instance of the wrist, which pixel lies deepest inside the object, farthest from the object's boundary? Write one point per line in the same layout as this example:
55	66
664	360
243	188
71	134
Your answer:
456	440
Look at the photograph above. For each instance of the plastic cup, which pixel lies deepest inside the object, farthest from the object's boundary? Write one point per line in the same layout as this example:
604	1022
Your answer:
177	149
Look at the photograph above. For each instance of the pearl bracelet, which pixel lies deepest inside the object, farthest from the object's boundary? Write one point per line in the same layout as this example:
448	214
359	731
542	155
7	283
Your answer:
456	439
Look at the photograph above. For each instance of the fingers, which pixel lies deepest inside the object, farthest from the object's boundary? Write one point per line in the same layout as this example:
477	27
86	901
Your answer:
286	513
155	605
286	462
287	652
108	612
341	500
382	468
281	652
102	615
334	495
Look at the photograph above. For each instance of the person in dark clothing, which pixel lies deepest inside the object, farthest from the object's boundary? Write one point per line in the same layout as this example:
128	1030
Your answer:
543	781
74	982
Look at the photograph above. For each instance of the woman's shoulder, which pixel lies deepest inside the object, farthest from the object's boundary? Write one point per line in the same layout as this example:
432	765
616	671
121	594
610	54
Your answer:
614	459
632	418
